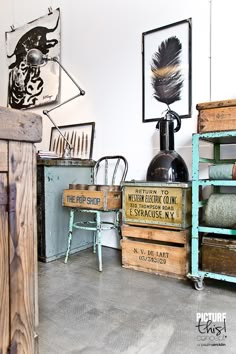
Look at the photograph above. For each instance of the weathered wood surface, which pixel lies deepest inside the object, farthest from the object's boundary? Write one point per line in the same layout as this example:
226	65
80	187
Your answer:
18	253
216	104
157	206
3	156
155	258
22	255
35	250
216	116
219	255
4	268
66	162
155	234
217	119
20	125
35	243
86	199
157	271
156	251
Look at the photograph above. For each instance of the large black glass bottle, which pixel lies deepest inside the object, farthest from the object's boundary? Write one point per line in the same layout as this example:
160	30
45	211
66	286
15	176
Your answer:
168	165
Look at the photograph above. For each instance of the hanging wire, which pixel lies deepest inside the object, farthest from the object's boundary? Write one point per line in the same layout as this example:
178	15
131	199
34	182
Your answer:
50	10
13	15
210	50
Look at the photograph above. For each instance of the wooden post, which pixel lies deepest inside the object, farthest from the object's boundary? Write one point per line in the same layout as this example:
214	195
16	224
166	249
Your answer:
18	250
4	260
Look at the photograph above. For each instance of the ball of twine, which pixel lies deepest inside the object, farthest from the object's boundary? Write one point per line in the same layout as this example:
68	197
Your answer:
220	210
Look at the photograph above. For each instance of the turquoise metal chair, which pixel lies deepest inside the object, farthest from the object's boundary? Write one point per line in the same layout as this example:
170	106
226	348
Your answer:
108	171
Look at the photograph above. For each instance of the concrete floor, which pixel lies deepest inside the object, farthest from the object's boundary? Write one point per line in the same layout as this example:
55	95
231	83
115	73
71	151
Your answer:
125	311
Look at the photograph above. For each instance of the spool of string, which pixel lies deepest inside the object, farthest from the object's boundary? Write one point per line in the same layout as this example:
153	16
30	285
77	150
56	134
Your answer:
222	171
220	210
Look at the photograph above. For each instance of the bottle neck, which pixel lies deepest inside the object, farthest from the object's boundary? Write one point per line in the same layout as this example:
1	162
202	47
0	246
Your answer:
167	141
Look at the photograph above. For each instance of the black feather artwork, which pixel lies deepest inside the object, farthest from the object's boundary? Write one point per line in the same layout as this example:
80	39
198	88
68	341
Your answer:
167	80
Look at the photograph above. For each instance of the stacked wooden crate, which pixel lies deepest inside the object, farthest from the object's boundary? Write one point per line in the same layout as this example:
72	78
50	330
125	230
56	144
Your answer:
156	227
89	199
216	116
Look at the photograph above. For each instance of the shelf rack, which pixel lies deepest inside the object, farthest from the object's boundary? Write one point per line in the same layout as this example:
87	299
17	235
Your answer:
217	139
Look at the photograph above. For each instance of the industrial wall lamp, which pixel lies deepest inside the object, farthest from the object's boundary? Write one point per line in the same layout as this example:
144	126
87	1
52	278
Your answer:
36	58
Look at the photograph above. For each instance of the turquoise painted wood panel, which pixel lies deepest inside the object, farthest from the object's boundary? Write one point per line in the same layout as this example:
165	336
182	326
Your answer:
53	219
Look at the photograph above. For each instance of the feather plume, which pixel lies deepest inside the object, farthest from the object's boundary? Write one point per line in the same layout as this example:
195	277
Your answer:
167	79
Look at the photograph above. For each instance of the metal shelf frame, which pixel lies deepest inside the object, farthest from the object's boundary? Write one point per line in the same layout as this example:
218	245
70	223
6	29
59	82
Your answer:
217	139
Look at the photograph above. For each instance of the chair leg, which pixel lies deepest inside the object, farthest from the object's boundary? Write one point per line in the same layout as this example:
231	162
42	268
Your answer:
99	242
71	221
94	241
117	223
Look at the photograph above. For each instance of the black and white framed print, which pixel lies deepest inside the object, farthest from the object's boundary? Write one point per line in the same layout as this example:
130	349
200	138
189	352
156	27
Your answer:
29	86
166	71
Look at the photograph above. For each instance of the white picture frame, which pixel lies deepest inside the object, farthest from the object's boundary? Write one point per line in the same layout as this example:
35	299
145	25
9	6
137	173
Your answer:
152	110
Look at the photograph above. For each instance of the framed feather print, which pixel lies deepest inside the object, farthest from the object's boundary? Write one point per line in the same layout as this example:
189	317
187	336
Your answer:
166	71
80	136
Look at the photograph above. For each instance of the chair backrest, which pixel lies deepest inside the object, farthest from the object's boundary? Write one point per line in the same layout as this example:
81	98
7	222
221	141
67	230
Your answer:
113	169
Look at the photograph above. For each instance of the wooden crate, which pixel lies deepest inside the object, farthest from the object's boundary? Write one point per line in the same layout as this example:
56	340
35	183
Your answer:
164	205
86	199
156	251
216	116
219	255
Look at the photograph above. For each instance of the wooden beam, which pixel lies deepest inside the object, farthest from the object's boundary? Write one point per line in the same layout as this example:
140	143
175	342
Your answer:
22	238
4	268
20	125
3	156
35	243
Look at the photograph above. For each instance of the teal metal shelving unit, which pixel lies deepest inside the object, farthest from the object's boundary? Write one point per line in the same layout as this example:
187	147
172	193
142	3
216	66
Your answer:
217	139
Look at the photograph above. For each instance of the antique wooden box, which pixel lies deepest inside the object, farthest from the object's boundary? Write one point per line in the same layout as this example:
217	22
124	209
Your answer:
86	199
165	205
219	255
156	251
216	116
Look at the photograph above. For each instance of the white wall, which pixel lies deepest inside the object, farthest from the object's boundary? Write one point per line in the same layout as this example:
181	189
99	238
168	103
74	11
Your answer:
223	50
101	48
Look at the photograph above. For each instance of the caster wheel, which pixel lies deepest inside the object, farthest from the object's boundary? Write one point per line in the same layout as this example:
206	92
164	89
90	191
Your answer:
199	285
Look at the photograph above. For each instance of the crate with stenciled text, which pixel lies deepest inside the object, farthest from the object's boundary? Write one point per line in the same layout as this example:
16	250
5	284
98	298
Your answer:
164	205
100	200
156	251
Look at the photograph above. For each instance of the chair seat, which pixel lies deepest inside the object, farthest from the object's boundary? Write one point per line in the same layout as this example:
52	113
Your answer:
92	225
